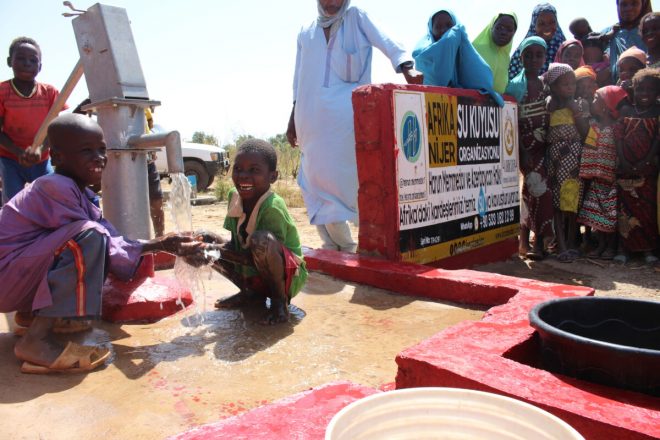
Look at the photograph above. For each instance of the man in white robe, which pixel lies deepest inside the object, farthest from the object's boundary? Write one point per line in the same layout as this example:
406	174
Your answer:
333	58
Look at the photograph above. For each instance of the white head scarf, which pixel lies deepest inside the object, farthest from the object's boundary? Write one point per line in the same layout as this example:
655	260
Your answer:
334	21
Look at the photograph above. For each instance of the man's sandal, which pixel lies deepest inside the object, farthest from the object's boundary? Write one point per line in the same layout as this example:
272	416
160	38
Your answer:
75	358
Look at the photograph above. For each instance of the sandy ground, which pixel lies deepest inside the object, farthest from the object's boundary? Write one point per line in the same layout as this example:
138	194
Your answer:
167	377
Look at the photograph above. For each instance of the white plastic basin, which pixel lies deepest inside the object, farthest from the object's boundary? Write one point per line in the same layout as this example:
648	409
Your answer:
445	413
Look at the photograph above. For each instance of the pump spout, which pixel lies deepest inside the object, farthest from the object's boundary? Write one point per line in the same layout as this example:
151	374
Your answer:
170	140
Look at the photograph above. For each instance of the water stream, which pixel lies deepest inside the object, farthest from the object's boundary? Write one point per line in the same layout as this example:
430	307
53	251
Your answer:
189	276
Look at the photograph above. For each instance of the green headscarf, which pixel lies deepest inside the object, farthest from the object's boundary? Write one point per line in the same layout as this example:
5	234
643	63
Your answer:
518	85
495	56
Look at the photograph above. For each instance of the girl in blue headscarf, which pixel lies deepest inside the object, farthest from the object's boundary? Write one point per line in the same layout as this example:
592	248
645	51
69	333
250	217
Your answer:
545	25
447	58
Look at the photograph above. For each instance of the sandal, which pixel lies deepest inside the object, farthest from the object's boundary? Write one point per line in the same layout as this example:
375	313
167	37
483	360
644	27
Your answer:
75	358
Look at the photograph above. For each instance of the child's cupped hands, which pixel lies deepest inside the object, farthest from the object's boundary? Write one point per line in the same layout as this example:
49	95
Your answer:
178	244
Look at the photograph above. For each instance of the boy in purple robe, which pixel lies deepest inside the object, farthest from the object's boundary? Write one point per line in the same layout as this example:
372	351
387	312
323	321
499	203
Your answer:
56	249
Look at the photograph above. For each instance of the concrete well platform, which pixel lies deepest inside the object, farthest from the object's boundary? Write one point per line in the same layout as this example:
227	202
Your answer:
499	353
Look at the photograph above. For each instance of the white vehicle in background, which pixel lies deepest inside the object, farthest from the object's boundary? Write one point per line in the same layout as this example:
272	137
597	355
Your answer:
199	160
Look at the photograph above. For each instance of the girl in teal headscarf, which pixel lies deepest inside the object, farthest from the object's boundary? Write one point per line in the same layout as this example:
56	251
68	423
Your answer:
517	87
447	58
494	45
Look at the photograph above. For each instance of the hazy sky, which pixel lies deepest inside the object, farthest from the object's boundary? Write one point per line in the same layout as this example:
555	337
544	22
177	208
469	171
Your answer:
226	67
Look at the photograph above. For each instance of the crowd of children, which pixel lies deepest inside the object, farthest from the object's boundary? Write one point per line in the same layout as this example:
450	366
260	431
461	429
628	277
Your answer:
589	138
589	153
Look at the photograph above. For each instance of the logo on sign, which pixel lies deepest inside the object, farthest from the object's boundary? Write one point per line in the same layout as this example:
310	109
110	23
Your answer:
482	206
509	136
410	137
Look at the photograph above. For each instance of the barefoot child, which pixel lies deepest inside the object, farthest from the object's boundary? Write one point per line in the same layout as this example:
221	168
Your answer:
597	166
24	104
568	127
264	257
637	136
56	250
536	207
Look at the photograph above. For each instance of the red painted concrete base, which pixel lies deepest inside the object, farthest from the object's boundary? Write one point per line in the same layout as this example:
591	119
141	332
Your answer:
497	354
501	354
463	286
301	416
145	298
163	261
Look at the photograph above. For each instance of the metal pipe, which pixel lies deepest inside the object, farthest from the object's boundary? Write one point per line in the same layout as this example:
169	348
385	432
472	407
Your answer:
172	143
126	192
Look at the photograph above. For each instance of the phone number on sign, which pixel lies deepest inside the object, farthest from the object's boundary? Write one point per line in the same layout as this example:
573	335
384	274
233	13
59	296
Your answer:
499	218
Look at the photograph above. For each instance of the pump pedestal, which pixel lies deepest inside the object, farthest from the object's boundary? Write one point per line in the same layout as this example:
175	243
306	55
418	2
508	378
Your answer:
119	97
145	298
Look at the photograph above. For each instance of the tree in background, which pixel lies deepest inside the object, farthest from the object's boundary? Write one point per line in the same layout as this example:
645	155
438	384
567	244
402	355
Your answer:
289	158
231	147
199	137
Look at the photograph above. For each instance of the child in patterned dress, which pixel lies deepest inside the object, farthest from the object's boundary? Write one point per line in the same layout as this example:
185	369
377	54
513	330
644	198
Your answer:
568	127
637	135
597	166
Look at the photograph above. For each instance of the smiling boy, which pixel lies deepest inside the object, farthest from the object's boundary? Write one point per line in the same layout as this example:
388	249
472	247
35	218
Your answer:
264	257
56	249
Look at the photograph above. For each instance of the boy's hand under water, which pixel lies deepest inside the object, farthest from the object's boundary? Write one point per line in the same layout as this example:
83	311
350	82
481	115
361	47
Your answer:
208	236
205	253
177	244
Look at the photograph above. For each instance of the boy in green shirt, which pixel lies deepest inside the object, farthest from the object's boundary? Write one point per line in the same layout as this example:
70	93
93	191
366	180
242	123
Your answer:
264	257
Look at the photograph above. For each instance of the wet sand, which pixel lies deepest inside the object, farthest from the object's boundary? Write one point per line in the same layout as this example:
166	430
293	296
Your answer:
169	376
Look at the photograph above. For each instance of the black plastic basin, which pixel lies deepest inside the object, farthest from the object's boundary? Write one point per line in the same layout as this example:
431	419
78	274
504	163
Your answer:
611	341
